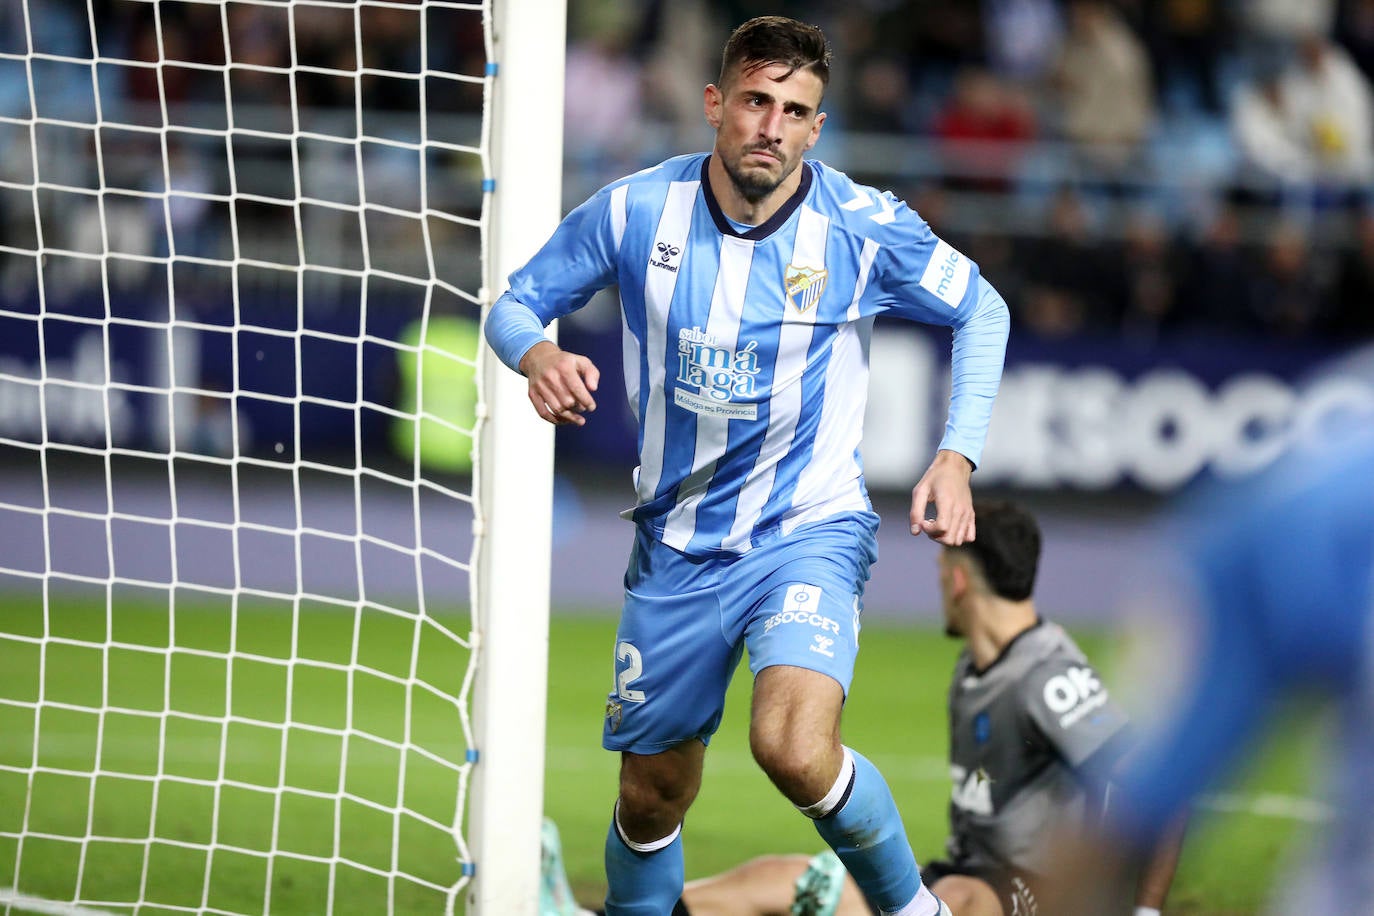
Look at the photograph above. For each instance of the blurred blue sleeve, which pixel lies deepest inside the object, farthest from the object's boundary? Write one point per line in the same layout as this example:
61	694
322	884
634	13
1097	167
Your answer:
1282	571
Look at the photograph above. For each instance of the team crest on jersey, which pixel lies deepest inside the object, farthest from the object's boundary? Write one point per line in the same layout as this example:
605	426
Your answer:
614	712
804	285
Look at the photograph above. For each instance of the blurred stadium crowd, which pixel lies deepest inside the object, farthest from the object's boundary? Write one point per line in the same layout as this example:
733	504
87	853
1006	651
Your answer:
1136	167
1141	167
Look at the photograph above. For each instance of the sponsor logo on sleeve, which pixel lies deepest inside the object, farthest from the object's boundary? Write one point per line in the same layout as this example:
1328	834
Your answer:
946	276
1073	695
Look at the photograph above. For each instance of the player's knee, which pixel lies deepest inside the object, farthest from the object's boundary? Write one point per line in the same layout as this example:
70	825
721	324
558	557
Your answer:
657	796
968	896
772	752
646	816
792	764
638	797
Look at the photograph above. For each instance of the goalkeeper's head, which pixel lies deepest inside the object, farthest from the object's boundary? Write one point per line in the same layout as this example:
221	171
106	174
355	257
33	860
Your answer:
997	570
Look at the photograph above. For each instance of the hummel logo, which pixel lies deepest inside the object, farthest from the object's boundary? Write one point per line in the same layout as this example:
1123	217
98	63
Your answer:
822	645
665	255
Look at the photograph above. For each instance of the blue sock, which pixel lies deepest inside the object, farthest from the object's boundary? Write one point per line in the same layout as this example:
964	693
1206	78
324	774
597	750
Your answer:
866	832
642	883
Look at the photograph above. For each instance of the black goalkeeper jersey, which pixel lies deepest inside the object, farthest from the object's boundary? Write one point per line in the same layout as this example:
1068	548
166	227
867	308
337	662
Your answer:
1019	733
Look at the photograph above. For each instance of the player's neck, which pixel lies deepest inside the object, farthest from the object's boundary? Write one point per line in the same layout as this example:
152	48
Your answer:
995	626
740	208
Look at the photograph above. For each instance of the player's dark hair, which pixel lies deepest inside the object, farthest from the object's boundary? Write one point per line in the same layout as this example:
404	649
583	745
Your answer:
767	40
1007	549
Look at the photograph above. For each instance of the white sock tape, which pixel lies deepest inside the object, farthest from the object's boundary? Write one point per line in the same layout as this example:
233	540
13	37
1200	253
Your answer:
832	798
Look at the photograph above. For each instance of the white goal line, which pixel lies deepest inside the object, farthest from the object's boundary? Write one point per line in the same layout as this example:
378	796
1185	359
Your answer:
26	904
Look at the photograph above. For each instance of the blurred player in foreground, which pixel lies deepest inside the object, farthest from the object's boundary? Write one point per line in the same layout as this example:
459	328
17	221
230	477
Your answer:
1034	741
1278	572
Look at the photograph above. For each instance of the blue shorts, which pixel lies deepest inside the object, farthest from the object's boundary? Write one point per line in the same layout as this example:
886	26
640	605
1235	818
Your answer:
686	620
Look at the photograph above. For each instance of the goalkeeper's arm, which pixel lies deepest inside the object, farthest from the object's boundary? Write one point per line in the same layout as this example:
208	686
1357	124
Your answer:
1156	862
1157	869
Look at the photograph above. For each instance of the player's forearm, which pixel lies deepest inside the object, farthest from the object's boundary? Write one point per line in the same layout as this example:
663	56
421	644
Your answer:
976	360
1157	871
512	328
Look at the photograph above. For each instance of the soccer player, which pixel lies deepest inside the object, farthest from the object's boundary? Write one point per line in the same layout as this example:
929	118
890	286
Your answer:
1034	741
1279	573
749	280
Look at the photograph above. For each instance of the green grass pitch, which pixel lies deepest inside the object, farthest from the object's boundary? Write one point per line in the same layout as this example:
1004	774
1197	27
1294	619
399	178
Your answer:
220	781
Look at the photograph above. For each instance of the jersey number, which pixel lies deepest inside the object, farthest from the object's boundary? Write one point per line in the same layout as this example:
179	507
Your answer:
626	652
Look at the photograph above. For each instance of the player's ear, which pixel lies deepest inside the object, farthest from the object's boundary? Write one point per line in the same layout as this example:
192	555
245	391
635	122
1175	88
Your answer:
712	105
958	578
815	130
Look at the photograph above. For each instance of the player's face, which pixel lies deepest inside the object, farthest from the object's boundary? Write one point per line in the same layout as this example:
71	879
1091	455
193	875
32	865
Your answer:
764	123
953	624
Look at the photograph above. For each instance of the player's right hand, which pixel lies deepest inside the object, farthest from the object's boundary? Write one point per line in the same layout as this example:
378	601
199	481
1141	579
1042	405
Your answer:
561	383
946	484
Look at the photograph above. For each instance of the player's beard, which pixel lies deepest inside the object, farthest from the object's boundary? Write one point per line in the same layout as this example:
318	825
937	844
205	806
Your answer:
756	184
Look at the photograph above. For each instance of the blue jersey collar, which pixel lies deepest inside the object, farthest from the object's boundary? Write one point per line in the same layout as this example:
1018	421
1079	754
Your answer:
769	226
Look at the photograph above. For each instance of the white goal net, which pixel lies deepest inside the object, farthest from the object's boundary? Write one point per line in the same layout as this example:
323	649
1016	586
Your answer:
251	460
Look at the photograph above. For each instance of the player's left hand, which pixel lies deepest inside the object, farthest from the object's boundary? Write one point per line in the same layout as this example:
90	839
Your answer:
946	484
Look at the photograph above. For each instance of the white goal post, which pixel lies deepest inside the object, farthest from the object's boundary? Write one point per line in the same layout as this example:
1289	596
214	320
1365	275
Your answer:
513	579
275	526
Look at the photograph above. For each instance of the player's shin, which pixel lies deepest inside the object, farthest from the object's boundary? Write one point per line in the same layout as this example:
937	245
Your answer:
643	879
860	821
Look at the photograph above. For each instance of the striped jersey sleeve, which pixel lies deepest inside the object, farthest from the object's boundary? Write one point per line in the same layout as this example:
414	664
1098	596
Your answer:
920	277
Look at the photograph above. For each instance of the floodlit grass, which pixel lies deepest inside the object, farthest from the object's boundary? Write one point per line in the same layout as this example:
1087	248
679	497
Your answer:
195	729
223	745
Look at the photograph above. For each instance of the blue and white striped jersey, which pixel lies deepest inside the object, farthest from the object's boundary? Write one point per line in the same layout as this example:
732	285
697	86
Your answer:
746	352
